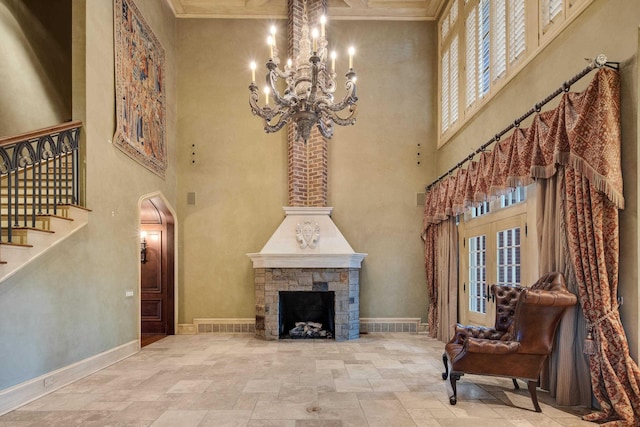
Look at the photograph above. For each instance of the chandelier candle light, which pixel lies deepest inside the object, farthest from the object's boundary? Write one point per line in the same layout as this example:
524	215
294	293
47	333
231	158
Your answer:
307	99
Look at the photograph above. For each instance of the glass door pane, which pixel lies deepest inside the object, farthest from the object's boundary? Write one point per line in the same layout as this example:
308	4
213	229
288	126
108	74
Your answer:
478	274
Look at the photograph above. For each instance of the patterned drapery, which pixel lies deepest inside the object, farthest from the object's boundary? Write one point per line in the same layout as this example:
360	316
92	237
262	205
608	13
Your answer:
430	264
592	233
447	271
583	131
582	134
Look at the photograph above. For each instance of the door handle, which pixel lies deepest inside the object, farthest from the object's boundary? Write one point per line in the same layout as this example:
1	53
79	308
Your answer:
490	296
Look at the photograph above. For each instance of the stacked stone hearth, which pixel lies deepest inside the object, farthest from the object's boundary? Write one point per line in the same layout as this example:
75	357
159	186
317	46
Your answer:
342	281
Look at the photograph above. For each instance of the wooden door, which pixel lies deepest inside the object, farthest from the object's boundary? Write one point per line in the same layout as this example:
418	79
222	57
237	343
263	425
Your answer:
475	304
153	286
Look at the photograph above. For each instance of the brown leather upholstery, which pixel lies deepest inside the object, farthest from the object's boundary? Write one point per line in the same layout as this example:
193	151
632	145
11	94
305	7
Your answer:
525	325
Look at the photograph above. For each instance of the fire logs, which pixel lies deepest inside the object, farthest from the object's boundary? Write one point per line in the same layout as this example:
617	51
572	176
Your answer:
309	330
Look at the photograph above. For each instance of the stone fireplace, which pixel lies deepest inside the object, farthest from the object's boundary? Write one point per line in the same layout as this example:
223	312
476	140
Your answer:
307	254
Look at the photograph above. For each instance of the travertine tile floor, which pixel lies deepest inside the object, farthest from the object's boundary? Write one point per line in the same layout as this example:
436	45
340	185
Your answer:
237	380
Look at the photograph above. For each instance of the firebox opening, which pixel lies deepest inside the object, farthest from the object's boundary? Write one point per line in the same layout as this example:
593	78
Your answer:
307	309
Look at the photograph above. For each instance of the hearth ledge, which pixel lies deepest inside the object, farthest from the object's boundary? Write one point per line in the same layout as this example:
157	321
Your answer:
353	260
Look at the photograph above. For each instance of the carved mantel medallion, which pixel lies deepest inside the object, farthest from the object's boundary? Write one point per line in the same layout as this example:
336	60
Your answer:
307	234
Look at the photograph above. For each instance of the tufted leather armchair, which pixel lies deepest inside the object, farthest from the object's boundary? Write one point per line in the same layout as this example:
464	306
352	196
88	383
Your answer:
523	336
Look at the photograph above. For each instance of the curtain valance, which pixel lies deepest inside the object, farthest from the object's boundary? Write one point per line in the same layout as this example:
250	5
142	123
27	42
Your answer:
582	131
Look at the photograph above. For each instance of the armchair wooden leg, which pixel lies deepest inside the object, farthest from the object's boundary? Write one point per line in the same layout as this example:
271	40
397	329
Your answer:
445	374
534	396
453	378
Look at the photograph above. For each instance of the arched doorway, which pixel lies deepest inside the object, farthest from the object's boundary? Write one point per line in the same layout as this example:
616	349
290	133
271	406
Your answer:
157	275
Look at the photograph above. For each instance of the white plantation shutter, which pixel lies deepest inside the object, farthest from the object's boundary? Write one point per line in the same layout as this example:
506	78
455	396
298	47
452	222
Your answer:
470	44
550	10
445	27
454	81
449	89
445	92
449	21
517	21
453	14
484	47
499	31
555	8
449	67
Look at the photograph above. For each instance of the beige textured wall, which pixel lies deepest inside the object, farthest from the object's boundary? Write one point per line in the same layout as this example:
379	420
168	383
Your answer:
605	27
70	304
240	173
35	72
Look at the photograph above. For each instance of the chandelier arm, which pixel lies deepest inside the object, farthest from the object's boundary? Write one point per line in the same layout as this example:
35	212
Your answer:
283	74
325	127
271	79
344	121
283	118
328	88
349	99
267	113
253	100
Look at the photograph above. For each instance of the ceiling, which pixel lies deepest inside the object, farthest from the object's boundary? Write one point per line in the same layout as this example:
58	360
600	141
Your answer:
414	10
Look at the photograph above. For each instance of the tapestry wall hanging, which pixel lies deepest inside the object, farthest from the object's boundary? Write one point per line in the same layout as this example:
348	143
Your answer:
140	98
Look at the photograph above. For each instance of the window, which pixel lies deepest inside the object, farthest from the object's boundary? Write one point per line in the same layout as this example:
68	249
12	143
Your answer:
511	198
508	263
484	43
487	42
550	10
449	65
481	209
493	244
478	273
517	29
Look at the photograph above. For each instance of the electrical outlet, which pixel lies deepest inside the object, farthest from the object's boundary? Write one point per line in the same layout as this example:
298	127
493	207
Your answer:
48	382
128	293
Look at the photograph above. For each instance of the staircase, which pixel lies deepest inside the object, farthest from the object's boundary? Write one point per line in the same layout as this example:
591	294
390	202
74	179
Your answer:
39	194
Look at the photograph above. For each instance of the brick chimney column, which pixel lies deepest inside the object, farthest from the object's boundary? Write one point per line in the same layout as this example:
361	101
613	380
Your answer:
307	163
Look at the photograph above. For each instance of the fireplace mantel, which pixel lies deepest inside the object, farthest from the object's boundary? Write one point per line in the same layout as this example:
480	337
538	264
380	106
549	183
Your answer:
307	238
307	261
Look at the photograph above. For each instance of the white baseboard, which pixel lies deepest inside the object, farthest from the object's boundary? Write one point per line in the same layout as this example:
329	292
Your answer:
186	329
28	391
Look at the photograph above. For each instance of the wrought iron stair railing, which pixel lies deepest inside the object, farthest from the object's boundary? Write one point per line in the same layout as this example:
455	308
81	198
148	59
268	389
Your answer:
39	174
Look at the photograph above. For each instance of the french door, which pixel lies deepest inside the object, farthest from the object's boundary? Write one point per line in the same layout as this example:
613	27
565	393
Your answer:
491	252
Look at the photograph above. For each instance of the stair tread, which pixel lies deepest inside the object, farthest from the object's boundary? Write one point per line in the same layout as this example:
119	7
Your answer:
38	216
19	245
22	228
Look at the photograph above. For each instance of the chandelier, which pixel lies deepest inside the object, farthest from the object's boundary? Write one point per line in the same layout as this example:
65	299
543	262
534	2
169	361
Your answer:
306	95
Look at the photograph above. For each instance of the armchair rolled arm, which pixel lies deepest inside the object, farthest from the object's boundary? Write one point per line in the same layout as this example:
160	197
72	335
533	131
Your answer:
476	345
550	298
464	332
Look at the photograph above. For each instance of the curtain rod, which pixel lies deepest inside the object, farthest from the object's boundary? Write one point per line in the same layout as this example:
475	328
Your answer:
599	62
